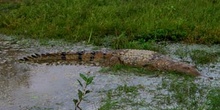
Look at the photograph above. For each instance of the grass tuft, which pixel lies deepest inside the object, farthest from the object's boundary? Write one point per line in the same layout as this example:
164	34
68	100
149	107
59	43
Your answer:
203	57
214	99
122	21
121	97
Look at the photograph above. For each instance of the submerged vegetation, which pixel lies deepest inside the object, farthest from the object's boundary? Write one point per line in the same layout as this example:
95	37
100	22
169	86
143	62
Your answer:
119	23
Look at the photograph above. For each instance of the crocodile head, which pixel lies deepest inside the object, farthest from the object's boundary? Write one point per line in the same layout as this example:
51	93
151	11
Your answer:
186	68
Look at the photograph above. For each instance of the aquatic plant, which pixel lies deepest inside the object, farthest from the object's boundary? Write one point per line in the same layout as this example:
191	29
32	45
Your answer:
83	91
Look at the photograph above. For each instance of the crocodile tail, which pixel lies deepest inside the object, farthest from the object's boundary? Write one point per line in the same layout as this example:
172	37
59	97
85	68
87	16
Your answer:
80	57
43	58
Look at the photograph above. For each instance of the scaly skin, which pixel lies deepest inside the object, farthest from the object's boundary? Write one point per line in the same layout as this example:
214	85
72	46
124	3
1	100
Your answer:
132	57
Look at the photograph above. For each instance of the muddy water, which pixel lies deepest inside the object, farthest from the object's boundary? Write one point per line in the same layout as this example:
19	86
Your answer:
40	87
33	86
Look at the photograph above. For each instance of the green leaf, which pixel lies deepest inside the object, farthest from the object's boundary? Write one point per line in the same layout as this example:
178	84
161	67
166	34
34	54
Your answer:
80	94
91	78
80	83
83	77
75	101
89	81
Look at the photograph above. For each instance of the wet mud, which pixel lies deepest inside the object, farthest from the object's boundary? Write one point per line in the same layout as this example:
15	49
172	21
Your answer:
52	87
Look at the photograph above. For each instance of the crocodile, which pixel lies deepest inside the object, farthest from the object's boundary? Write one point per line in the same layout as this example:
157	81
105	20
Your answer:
131	57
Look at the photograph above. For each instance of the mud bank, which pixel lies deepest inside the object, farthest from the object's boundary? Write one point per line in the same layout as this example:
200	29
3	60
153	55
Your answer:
42	87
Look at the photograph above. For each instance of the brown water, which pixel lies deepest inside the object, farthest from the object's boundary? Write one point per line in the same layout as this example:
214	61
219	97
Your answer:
43	87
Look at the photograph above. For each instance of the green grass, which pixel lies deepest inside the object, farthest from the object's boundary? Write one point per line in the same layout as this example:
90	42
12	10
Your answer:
199	57
124	24
214	99
121	22
123	69
121	97
174	93
203	57
182	91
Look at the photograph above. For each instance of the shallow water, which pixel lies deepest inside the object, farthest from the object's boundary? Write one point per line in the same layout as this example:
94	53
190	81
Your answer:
40	87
